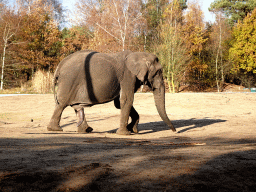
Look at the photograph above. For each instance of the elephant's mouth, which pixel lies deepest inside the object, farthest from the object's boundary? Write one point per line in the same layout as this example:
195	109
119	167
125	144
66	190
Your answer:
149	84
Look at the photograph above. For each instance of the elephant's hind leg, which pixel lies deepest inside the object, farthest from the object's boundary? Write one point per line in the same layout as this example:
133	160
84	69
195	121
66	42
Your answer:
80	114
82	125
54	124
117	102
133	126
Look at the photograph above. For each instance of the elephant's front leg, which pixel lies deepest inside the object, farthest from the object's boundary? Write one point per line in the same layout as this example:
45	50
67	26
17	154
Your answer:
126	101
125	111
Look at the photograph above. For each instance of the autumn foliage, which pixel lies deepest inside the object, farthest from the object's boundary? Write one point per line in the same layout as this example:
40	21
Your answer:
35	37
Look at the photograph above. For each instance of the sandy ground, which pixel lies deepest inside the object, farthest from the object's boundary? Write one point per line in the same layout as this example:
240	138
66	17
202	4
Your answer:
214	148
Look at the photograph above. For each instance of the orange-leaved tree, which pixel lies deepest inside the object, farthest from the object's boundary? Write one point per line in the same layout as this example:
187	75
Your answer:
195	39
74	39
218	47
41	37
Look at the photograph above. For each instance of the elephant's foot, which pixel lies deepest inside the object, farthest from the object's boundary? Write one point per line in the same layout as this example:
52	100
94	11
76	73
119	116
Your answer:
135	129
123	132
82	129
51	127
82	124
132	128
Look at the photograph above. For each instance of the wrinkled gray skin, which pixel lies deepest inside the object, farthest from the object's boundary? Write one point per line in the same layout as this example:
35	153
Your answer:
86	78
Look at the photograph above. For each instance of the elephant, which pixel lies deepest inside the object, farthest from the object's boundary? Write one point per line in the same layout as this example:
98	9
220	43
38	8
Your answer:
86	78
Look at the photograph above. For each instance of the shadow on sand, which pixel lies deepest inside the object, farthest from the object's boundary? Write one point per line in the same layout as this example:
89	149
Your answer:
230	172
181	126
234	171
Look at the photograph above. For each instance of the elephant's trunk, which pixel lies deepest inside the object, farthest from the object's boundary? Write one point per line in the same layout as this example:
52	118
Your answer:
159	96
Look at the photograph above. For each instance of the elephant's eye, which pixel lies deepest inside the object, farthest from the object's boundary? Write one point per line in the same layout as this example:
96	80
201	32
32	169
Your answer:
159	71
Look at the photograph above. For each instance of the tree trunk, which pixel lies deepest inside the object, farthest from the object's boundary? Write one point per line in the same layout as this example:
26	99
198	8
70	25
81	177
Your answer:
218	52
173	85
217	80
3	63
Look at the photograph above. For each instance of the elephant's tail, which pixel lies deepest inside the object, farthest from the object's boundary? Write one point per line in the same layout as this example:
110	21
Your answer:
55	81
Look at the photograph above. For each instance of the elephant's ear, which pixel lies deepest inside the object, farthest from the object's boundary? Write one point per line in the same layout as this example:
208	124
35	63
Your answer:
138	65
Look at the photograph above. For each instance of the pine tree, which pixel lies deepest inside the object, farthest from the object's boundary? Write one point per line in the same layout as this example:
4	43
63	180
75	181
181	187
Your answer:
235	10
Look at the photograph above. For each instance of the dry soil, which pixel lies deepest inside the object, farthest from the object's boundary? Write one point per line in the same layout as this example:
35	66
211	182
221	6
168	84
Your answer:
214	148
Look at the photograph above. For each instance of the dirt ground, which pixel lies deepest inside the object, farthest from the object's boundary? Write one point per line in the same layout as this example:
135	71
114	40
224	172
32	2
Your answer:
214	148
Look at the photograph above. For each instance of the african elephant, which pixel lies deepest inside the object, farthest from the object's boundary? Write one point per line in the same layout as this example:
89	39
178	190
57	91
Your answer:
86	78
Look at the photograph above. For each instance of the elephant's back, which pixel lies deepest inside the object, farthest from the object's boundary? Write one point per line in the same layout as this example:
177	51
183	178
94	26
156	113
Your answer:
94	62
75	59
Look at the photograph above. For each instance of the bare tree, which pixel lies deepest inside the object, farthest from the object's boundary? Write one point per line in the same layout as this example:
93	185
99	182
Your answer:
57	6
218	53
219	36
119	19
10	28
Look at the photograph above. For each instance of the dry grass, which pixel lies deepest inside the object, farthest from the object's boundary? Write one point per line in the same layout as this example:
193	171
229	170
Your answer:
42	82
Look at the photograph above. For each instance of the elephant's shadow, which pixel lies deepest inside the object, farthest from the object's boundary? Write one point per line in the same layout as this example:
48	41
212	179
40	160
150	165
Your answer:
181	126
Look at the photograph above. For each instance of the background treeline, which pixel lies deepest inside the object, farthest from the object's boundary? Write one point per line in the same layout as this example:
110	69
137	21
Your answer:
36	35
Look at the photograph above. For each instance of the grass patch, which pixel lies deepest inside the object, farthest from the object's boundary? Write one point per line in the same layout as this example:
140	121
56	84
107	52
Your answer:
42	83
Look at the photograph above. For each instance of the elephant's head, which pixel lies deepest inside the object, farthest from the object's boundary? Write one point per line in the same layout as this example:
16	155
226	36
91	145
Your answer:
149	71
